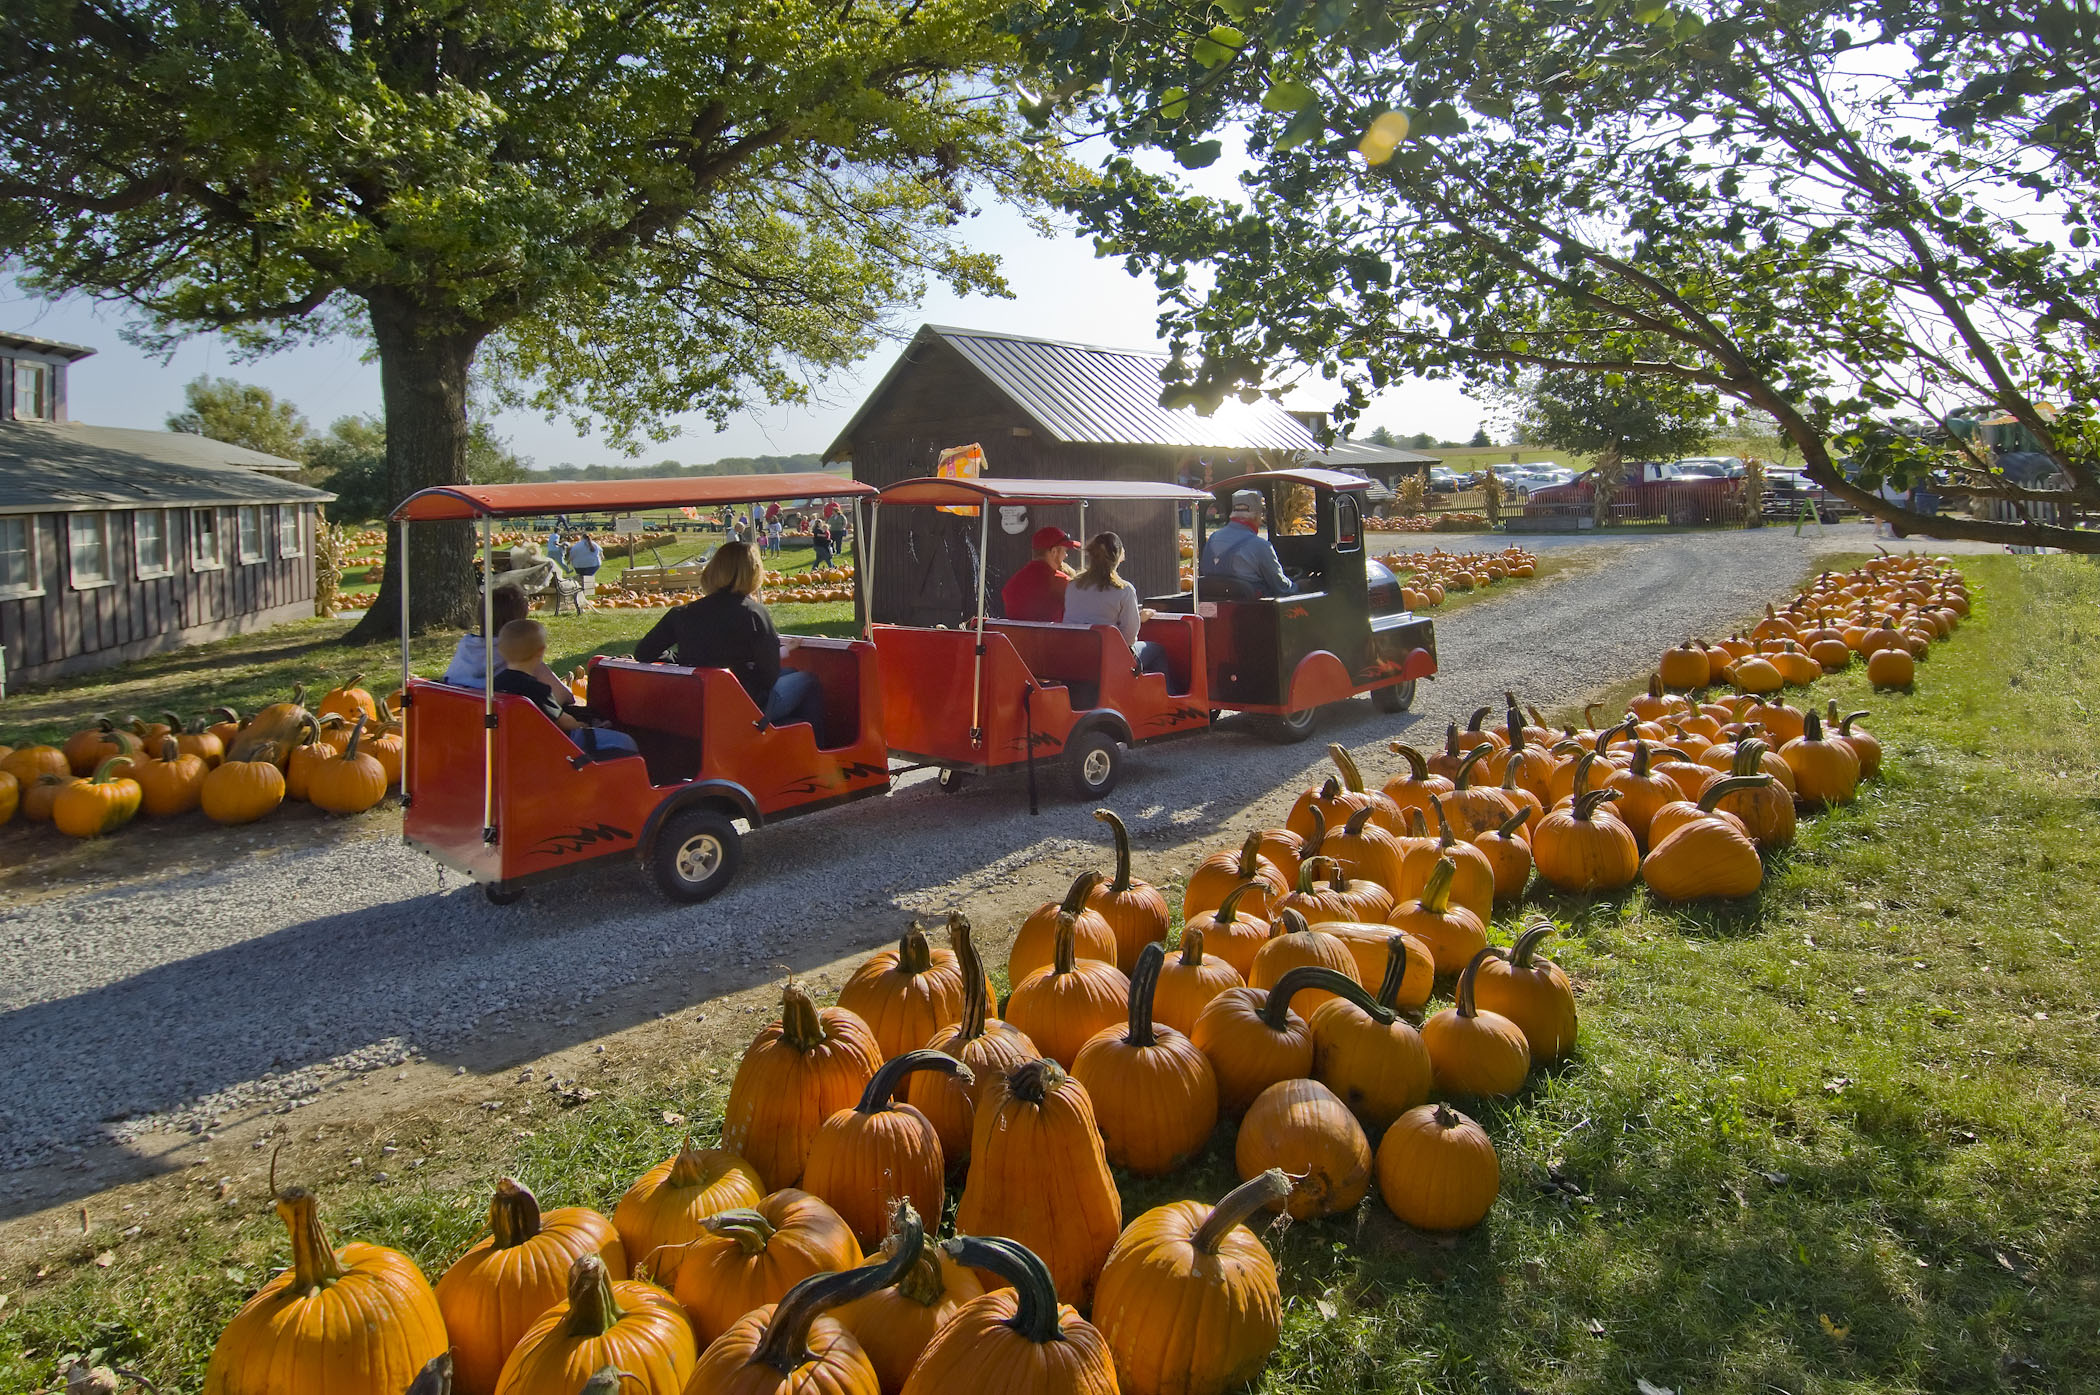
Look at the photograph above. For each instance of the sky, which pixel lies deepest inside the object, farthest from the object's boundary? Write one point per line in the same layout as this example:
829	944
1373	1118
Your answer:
1061	291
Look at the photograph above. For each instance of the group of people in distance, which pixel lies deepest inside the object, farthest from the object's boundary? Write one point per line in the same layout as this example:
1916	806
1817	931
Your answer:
729	627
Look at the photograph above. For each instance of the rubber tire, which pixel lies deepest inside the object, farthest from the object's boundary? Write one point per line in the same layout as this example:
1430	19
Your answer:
501	895
1086	748
1292	727
684	827
1395	698
950	780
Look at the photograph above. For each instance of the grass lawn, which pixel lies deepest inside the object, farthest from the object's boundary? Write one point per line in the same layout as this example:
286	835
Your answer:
1841	1137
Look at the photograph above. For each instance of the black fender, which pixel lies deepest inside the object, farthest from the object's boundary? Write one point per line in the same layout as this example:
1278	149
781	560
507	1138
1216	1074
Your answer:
731	797
1101	719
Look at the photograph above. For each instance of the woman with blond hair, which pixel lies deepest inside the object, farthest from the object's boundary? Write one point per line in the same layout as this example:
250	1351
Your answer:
1100	596
729	627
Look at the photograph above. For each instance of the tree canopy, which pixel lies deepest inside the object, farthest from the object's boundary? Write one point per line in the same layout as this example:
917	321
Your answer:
243	414
617	212
1837	212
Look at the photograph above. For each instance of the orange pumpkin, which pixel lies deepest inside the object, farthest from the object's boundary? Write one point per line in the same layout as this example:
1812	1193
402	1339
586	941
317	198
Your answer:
907	994
748	1258
630	1325
669	1204
799	1072
1135	910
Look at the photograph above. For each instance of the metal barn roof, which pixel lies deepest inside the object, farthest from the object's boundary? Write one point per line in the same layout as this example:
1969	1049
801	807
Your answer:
66	467
1087	394
55	348
1363	455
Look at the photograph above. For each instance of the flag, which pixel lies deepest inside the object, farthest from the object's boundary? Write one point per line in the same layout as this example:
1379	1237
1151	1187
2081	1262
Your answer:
961	463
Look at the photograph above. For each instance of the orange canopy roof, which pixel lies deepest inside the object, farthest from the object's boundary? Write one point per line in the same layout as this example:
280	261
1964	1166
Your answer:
617	496
951	493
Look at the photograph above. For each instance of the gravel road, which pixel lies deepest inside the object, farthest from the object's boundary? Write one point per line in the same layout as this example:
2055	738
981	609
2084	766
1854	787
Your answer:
168	1003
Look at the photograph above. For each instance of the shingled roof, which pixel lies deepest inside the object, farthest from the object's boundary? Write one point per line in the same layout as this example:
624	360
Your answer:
66	467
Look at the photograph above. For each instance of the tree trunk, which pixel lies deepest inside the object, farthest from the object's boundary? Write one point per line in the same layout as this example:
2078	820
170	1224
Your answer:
1606	479
423	382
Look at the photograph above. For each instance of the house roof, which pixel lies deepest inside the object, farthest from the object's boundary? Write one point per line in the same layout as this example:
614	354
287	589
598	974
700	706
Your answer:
66	467
56	348
1363	455
534	499
1087	394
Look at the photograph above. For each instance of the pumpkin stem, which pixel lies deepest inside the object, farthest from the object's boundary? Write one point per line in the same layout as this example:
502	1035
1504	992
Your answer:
1035	1314
914	954
1417	826
1395	970
314	1265
745	1225
1064	951
1582	773
1465	767
1082	891
1733	784
1330	790
1811	726
1262	1189
1250	856
357	729
1228	909
1447	1117
1436	892
1465	980
1191	946
102	775
976	1005
1480	714
606	1380
1276	1012
1443	824
1514	822
1845	722
1310	848
1749	756
785	1345
801	1026
1352	778
1590	801
889	1077
1417	768
1535	930
514	1214
688	1169
227	712
1643	753
1355	827
1144	979
1122	835
594	1309
1034	1081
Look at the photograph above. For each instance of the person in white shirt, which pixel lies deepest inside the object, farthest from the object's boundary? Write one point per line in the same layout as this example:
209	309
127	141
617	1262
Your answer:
1100	596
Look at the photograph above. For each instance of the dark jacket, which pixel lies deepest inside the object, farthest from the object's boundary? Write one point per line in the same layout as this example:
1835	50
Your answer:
519	683
722	630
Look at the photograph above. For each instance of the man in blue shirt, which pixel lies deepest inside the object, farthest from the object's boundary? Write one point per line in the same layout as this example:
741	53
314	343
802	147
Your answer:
1239	550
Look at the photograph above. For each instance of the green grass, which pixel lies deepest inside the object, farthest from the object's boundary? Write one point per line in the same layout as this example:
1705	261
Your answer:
1841	1137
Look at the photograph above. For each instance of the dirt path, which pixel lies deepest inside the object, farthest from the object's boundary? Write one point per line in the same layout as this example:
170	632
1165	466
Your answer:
153	1023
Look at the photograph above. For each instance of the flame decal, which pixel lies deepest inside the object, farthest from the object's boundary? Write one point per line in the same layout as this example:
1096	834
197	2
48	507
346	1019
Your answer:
567	844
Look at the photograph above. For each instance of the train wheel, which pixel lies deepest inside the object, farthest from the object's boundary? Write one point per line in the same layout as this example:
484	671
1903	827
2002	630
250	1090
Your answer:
1292	727
950	779
501	894
1397	698
1095	763
697	854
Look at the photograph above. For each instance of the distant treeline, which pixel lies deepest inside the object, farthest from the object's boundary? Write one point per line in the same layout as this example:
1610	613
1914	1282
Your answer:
671	469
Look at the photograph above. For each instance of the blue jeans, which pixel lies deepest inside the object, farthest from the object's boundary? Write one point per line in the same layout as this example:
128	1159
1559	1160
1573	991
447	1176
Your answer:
604	743
797	697
1151	657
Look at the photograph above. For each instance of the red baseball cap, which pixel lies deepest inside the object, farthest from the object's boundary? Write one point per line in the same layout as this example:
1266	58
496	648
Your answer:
1050	537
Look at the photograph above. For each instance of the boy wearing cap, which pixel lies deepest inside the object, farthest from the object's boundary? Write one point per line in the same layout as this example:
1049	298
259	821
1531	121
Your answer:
1037	591
1239	550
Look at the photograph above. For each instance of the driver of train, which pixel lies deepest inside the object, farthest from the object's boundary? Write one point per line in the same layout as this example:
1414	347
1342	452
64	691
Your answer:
729	627
1239	549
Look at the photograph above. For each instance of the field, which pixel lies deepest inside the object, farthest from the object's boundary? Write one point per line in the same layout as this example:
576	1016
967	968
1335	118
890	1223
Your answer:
1839	1137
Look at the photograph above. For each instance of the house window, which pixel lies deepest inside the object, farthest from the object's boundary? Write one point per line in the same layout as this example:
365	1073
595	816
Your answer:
32	391
206	553
291	536
87	549
249	516
149	537
20	573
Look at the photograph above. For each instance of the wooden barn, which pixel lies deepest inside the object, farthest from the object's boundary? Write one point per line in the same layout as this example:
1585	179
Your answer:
116	543
1042	410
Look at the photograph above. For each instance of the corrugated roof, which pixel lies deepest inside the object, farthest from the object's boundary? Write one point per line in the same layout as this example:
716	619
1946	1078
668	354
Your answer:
1087	394
56	348
1359	455
534	499
64	467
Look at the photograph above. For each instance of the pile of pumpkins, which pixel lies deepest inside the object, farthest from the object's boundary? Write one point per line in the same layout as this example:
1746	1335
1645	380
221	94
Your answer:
1453	522
814	587
1430	576
797	1255
1889	613
342	757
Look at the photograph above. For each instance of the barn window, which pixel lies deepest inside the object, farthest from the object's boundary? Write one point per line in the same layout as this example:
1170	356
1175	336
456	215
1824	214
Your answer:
87	549
206	552
20	573
249	517
291	537
32	391
149	536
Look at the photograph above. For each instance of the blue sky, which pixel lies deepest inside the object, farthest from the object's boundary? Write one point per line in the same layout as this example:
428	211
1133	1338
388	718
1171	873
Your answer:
1061	291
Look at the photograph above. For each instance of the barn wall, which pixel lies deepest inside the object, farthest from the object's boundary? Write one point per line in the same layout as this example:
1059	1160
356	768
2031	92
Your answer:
71	631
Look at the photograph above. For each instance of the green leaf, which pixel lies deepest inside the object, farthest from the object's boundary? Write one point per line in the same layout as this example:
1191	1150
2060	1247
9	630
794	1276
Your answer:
1199	154
1225	36
1649	11
1210	55
1174	103
1307	125
1289	96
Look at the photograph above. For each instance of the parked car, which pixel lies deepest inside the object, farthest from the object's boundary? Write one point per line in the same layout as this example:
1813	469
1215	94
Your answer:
1444	480
1788	490
1648	490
